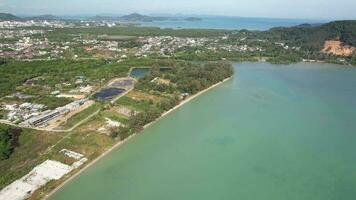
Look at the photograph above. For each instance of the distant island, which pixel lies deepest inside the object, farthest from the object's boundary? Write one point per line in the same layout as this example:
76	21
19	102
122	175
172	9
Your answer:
9	17
134	17
193	19
143	18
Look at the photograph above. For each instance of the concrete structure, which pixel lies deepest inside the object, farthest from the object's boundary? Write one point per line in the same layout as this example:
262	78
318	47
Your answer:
46	116
43	118
23	188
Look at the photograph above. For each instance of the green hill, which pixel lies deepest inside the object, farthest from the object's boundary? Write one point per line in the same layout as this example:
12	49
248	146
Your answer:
313	36
8	17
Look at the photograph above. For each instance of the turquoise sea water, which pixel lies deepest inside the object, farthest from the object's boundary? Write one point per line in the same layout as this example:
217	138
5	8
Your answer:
231	23
273	132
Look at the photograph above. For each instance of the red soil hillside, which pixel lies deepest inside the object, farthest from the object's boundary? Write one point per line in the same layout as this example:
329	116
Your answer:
336	47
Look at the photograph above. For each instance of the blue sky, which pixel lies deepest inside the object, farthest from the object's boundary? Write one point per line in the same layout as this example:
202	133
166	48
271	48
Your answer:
314	9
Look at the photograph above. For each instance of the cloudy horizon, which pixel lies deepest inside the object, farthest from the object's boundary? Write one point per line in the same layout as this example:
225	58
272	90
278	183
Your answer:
302	9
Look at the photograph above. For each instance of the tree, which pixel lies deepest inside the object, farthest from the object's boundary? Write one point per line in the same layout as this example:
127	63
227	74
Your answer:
122	132
2	61
6	148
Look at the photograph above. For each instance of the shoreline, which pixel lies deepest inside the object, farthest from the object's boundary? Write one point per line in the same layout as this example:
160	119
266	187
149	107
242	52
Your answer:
118	144
184	102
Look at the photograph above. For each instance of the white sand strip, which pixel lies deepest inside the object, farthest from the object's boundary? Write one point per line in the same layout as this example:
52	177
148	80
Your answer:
39	176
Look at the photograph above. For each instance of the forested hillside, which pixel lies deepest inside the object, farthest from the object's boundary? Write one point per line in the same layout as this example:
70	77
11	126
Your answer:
8	17
313	36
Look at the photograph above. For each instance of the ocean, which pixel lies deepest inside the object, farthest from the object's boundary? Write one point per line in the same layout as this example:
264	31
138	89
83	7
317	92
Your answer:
231	23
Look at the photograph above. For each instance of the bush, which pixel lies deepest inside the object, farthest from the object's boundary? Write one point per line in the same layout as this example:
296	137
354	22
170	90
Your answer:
9	140
122	132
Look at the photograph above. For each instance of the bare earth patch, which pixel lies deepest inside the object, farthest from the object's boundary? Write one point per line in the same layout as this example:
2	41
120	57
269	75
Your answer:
336	47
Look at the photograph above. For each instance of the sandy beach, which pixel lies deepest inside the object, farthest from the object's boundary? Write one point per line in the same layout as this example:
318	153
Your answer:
130	137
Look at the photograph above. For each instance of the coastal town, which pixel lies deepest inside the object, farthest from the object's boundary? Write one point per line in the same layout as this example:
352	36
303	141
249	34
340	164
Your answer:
86	39
22	42
73	90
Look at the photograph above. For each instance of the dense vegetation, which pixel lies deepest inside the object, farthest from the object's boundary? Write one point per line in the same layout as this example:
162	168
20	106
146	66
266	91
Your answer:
2	61
39	78
8	140
188	78
45	75
67	33
312	37
308	38
51	102
49	73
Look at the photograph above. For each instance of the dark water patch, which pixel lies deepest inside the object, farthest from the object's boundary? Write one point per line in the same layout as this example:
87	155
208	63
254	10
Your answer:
108	93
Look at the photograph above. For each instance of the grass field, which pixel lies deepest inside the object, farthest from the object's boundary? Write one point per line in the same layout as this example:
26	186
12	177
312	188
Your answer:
71	122
141	105
114	116
137	95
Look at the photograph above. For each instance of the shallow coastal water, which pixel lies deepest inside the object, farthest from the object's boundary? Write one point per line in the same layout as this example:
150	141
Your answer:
272	132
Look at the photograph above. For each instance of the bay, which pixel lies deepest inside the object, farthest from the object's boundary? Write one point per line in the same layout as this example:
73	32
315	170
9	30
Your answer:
232	23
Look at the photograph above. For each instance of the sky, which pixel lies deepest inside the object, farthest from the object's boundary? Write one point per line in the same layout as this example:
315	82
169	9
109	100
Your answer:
302	9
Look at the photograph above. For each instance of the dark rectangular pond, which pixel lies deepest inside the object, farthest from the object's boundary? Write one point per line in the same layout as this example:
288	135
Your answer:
108	93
